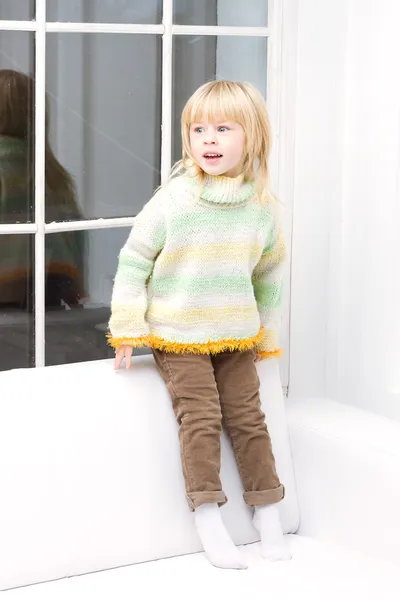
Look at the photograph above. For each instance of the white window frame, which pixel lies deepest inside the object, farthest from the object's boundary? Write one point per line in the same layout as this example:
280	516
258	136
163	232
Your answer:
277	111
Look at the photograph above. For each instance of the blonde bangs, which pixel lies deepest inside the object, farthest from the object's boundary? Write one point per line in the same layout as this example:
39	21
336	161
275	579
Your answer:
213	101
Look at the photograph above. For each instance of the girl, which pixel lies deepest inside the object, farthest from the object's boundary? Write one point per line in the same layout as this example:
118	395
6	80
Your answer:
200	282
64	251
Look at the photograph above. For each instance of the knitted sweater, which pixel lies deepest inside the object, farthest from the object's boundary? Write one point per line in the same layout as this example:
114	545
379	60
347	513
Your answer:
201	271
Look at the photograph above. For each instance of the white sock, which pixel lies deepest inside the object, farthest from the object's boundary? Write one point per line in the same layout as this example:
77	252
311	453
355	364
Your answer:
267	522
218	546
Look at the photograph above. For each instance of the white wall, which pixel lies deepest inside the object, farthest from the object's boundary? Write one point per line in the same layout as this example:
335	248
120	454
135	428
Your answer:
345	335
319	105
369	338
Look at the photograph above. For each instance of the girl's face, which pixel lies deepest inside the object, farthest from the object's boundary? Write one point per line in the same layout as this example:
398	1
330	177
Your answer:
218	146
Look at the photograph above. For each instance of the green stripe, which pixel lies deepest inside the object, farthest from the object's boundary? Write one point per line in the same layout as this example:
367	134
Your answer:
215	219
127	261
202	285
268	295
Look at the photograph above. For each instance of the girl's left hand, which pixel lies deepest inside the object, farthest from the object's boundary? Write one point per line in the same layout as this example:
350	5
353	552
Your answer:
258	357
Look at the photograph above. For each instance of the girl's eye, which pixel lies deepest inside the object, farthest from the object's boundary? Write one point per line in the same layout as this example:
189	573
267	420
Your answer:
199	129
222	128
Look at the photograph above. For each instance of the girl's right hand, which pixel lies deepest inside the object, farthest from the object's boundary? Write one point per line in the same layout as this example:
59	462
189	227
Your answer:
123	352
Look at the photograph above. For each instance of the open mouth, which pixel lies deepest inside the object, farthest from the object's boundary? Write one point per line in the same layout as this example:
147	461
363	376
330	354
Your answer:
212	157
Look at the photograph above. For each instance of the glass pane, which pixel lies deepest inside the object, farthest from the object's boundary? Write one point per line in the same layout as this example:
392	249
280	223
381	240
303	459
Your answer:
105	123
236	13
17	10
105	11
17	100
199	59
16	301
81	267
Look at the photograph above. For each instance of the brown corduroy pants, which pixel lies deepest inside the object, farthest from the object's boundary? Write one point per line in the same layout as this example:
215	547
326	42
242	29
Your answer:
204	389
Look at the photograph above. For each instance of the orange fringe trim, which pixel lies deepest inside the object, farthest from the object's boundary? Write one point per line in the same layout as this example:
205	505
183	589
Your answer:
117	343
180	348
273	354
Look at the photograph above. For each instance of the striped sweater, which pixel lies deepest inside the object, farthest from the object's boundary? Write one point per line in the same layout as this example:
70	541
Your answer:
201	271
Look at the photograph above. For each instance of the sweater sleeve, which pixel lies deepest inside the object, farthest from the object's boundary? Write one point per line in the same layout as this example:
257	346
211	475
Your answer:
268	289
127	324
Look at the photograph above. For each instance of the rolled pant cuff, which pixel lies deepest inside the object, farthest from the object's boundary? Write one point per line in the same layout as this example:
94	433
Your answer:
264	497
196	499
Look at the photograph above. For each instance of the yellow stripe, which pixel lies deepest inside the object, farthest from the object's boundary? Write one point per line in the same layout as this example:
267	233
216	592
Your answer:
199	315
231	251
137	304
275	257
133	318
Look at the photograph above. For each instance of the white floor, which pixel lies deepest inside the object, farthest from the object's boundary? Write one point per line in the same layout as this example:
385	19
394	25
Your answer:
316	572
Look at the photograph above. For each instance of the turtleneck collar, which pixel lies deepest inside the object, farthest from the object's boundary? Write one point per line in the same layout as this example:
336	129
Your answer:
225	190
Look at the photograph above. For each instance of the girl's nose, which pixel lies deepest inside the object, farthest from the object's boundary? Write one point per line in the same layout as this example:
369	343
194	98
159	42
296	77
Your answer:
210	137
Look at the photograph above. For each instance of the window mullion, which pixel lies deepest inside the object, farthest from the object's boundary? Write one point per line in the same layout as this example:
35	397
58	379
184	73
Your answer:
67	27
17	25
40	146
166	115
60	226
18	228
220	30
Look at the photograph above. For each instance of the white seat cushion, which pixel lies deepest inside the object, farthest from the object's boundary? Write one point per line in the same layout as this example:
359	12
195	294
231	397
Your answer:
316	572
347	474
91	475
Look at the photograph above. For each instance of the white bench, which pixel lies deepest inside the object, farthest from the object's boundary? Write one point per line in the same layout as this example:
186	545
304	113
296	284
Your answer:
91	480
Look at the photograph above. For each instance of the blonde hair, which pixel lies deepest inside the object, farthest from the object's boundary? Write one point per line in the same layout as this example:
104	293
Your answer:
243	104
17	93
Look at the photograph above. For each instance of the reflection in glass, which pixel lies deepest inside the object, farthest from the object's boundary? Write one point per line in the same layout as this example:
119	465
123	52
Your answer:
17	164
17	168
105	94
77	333
234	13
198	59
16	301
105	11
17	100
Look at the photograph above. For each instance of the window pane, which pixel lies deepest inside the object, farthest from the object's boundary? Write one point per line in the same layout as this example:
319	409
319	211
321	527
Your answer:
236	13
16	301
81	267
105	11
199	59
17	100
17	10
105	111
